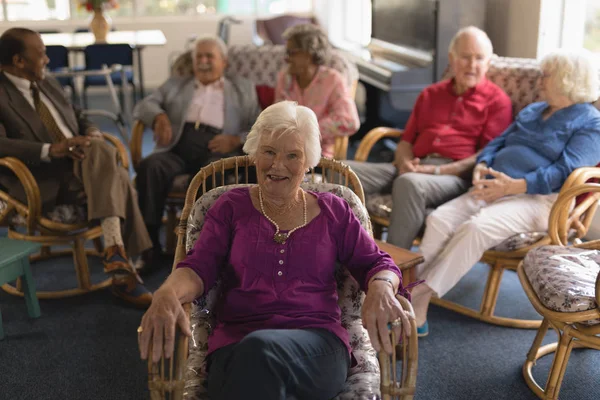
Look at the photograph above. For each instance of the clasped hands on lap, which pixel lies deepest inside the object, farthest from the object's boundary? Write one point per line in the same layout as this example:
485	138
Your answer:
221	143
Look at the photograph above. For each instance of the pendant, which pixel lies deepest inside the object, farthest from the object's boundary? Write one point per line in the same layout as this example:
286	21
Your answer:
280	238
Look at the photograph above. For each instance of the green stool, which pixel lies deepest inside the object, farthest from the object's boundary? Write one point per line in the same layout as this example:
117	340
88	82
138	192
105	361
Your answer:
14	263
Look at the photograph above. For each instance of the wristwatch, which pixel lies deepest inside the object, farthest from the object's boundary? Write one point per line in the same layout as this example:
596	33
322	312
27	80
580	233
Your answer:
436	170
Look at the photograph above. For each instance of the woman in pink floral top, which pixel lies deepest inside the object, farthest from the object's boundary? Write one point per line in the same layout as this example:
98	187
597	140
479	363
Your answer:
310	83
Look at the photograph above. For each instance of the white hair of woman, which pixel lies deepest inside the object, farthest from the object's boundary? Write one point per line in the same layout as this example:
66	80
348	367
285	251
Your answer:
210	39
482	38
574	74
287	118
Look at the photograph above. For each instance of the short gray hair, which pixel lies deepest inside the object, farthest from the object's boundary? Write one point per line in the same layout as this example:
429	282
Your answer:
311	39
481	36
210	39
575	73
284	118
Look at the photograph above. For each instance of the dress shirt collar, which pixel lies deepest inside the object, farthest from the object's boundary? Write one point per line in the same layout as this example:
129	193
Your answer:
218	84
21	83
469	91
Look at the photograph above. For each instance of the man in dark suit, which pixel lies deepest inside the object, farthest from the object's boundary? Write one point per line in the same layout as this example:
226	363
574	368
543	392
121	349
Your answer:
67	156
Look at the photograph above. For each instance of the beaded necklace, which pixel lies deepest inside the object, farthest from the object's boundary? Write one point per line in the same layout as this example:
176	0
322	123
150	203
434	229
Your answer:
282	237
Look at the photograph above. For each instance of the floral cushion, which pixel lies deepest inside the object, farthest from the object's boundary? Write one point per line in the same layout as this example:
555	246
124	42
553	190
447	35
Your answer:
363	379
380	205
64	213
564	278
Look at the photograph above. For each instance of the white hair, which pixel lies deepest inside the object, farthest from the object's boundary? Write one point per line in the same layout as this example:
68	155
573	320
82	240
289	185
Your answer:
210	39
284	118
574	74
481	36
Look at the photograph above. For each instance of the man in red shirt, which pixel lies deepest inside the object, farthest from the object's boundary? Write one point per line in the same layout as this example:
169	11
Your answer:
451	122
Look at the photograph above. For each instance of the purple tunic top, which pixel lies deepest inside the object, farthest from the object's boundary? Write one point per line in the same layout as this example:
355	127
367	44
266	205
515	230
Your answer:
268	285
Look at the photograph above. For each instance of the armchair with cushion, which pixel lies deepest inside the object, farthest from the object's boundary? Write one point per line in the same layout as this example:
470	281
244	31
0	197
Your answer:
62	226
184	376
520	79
563	285
260	65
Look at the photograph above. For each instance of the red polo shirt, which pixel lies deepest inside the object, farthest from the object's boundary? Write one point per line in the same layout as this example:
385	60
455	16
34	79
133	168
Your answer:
455	126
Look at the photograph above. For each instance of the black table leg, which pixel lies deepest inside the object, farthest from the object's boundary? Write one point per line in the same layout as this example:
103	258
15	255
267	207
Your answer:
138	50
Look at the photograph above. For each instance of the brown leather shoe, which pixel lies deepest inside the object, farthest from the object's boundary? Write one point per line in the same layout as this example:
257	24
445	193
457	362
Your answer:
127	287
116	261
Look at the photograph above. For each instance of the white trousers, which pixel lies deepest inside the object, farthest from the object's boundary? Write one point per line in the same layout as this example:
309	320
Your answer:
460	231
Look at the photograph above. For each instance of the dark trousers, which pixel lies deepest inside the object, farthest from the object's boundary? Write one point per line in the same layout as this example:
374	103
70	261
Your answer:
279	364
156	172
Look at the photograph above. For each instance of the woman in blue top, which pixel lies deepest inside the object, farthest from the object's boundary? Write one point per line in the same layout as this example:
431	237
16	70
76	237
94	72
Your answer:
517	176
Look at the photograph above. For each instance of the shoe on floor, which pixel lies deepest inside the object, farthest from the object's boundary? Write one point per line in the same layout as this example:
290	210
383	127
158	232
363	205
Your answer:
116	261
423	330
128	288
151	260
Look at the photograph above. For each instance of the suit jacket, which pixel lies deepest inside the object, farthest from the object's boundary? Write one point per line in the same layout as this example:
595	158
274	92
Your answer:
22	135
175	96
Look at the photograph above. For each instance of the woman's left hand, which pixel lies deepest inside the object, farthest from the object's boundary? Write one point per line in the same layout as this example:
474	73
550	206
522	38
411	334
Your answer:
501	185
379	309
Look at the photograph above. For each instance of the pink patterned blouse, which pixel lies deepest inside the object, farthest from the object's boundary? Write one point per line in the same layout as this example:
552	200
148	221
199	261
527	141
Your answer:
329	98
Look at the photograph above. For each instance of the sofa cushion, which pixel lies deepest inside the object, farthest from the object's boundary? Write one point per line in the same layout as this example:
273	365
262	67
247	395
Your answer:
564	278
63	213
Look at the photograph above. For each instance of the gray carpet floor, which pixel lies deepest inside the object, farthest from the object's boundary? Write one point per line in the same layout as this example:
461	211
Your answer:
86	347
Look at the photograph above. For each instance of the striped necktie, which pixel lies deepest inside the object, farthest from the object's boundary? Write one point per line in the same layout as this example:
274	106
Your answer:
45	115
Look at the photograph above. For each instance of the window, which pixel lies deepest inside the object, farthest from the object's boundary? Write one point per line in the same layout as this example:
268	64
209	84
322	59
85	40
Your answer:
591	35
29	10
33	10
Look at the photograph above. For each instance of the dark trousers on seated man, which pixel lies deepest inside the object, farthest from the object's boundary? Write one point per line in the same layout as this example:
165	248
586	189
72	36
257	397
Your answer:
156	173
412	194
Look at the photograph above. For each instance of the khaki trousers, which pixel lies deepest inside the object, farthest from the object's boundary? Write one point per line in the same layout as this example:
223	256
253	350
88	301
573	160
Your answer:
109	192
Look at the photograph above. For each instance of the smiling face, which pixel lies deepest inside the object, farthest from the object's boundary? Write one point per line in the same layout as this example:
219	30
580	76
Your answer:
209	63
280	164
31	64
469	61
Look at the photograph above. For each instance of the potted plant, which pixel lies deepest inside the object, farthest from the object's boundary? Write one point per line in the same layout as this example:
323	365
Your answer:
100	23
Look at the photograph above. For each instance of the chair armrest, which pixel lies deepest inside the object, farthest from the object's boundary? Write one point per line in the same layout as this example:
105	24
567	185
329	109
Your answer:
390	386
571	218
562	219
33	210
340	146
135	146
121	151
372	137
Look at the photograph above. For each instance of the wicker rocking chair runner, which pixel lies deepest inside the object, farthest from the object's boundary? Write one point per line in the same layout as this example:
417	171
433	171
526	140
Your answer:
184	376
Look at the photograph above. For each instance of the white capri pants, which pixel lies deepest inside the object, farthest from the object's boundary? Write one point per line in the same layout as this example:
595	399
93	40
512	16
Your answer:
460	231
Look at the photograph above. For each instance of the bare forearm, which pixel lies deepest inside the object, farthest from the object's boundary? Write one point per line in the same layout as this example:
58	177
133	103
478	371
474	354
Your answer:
459	168
403	152
185	283
385	275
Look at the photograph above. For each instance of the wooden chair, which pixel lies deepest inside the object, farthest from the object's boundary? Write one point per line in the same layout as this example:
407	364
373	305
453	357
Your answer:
65	225
185	373
520	80
563	285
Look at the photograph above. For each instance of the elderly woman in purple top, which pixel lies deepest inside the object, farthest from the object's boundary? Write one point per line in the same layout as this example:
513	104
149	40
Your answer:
278	330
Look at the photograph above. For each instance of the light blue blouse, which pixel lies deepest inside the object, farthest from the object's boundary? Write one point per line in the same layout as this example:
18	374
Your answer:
544	153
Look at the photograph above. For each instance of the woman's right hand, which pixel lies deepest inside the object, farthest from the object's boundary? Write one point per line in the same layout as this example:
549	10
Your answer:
477	172
158	325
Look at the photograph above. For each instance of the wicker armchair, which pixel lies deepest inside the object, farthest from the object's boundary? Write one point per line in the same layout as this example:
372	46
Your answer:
563	285
520	80
64	225
183	376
